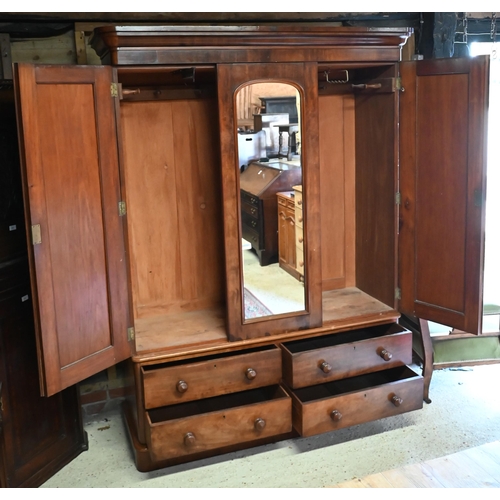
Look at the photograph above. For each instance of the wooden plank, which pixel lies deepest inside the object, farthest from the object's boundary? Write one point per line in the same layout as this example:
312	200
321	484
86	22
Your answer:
178	172
81	47
376	481
351	302
493	449
353	483
473	468
52	50
459	471
489	462
411	476
332	192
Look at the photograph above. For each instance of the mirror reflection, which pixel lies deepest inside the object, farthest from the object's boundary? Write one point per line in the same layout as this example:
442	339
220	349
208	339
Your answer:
270	169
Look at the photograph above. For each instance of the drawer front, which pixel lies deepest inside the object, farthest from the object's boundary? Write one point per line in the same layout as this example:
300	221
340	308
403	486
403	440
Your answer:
251	222
299	218
267	416
252	236
211	377
344	410
335	357
298	199
249	198
299	237
252	210
299	256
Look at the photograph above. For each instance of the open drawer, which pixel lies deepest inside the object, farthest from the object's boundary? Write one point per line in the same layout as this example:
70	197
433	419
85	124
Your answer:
356	400
209	424
210	376
340	355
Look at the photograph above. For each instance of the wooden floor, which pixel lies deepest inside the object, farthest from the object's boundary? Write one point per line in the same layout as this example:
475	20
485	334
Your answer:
473	468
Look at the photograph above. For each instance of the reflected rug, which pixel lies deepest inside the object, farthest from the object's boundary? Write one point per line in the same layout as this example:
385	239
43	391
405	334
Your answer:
254	308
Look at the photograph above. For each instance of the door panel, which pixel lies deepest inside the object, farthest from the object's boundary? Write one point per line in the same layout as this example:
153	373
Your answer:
72	191
231	78
442	172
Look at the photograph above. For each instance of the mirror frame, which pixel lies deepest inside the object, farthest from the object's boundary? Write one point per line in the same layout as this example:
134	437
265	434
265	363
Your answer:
230	78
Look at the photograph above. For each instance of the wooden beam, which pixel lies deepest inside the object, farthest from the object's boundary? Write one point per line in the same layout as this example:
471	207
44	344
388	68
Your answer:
5	58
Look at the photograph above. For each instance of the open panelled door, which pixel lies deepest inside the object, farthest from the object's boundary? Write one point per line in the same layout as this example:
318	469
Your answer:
69	153
443	113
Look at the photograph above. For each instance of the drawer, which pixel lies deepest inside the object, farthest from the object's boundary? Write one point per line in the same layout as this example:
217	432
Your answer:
250	209
299	237
209	424
252	236
249	198
298	199
332	357
299	218
299	259
251	222
210	376
357	400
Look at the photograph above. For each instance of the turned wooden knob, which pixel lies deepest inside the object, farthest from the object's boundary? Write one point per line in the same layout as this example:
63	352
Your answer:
299	202
396	400
259	424
301	239
181	386
250	373
385	355
301	263
301	219
335	415
325	367
189	439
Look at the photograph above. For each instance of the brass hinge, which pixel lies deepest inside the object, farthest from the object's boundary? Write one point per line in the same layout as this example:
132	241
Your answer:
397	293
398	84
122	208
131	333
398	198
114	90
36	234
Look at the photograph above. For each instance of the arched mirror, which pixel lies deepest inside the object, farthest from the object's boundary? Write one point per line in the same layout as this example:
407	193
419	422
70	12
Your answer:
272	223
270	181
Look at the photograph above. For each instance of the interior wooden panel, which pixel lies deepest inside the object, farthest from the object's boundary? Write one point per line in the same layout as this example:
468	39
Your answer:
444	166
406	249
74	223
375	195
172	173
337	190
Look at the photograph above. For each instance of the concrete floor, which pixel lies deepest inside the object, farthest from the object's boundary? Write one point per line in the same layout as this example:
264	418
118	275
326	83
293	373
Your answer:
465	412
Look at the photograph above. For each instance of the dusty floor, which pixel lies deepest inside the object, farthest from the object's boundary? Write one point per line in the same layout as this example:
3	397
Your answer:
465	412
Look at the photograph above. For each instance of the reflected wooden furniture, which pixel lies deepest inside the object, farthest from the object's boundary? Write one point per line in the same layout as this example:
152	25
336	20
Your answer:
291	232
286	233
299	231
259	184
149	202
